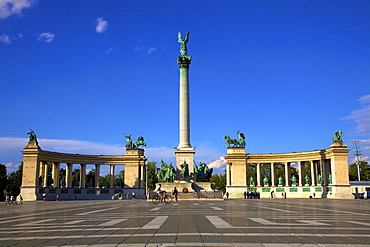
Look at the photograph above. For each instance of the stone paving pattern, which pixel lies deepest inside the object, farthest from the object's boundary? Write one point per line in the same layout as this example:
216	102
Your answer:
233	222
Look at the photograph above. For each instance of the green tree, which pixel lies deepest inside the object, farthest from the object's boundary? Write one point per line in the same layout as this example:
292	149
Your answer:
3	180
364	171
120	176
152	177
14	183
219	180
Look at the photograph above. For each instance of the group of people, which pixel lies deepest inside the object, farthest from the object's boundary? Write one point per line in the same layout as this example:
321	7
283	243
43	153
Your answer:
251	195
161	192
12	200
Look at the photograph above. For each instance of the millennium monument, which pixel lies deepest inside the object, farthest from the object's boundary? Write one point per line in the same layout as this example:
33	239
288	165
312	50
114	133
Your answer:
184	151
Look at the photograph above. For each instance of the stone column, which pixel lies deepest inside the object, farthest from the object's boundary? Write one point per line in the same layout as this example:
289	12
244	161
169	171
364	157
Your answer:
69	175
300	173
258	169
111	184
55	174
287	173
184	151
97	175
46	175
313	173
228	178
83	176
273	174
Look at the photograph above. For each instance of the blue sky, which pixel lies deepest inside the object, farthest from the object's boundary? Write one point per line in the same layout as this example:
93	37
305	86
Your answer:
287	74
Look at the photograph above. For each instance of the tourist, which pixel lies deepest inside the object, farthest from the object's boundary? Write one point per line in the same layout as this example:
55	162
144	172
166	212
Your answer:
227	194
12	200
44	196
245	195
175	193
133	195
7	200
20	200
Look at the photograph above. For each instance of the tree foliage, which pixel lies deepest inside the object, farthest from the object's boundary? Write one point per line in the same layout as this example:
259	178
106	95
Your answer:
3	180
14	182
220	181
152	177
364	171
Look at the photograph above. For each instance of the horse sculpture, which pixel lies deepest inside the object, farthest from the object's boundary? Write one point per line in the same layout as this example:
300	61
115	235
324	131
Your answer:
133	145
240	142
229	141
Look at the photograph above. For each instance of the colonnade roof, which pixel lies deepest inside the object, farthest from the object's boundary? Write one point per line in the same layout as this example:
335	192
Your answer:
235	154
47	156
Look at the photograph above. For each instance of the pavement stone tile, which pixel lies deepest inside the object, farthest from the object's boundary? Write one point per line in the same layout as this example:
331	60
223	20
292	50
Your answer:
265	222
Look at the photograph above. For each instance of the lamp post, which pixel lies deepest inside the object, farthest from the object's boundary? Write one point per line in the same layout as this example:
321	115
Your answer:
146	181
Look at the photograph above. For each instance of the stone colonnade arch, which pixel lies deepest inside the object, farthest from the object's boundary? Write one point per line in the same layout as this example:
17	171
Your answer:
35	167
328	173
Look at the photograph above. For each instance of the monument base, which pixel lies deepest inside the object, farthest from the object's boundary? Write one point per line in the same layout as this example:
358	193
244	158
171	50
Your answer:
190	187
182	155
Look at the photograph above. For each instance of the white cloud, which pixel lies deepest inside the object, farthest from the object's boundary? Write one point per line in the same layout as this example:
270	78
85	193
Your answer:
4	38
46	37
362	116
101	25
217	164
13	7
150	50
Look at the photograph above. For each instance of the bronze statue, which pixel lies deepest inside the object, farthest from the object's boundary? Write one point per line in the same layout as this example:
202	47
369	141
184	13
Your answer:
240	142
338	136
266	181
184	170
166	173
203	173
183	47
132	145
294	180
32	136
251	182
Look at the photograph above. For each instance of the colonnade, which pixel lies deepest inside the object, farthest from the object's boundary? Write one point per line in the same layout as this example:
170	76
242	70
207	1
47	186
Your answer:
328	168
319	170
35	170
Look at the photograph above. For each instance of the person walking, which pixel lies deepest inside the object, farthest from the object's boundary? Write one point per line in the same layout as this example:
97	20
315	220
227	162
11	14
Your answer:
20	200
7	200
175	193
133	195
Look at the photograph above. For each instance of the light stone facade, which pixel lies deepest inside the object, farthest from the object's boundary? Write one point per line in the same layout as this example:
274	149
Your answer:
330	164
35	174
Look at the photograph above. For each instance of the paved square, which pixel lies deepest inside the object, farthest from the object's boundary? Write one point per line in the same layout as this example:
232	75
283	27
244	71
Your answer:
250	222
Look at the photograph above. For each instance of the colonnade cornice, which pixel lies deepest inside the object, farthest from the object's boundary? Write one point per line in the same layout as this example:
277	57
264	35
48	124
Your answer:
286	157
48	156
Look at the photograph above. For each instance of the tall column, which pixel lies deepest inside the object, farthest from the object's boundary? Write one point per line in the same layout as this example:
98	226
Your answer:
287	173
313	173
258	168
97	175
111	184
69	175
83	176
46	175
184	151
300	174
55	174
228	178
273	176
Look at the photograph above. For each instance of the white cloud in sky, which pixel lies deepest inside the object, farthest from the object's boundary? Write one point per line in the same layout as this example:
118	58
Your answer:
46	37
4	38
101	25
218	164
362	116
13	7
